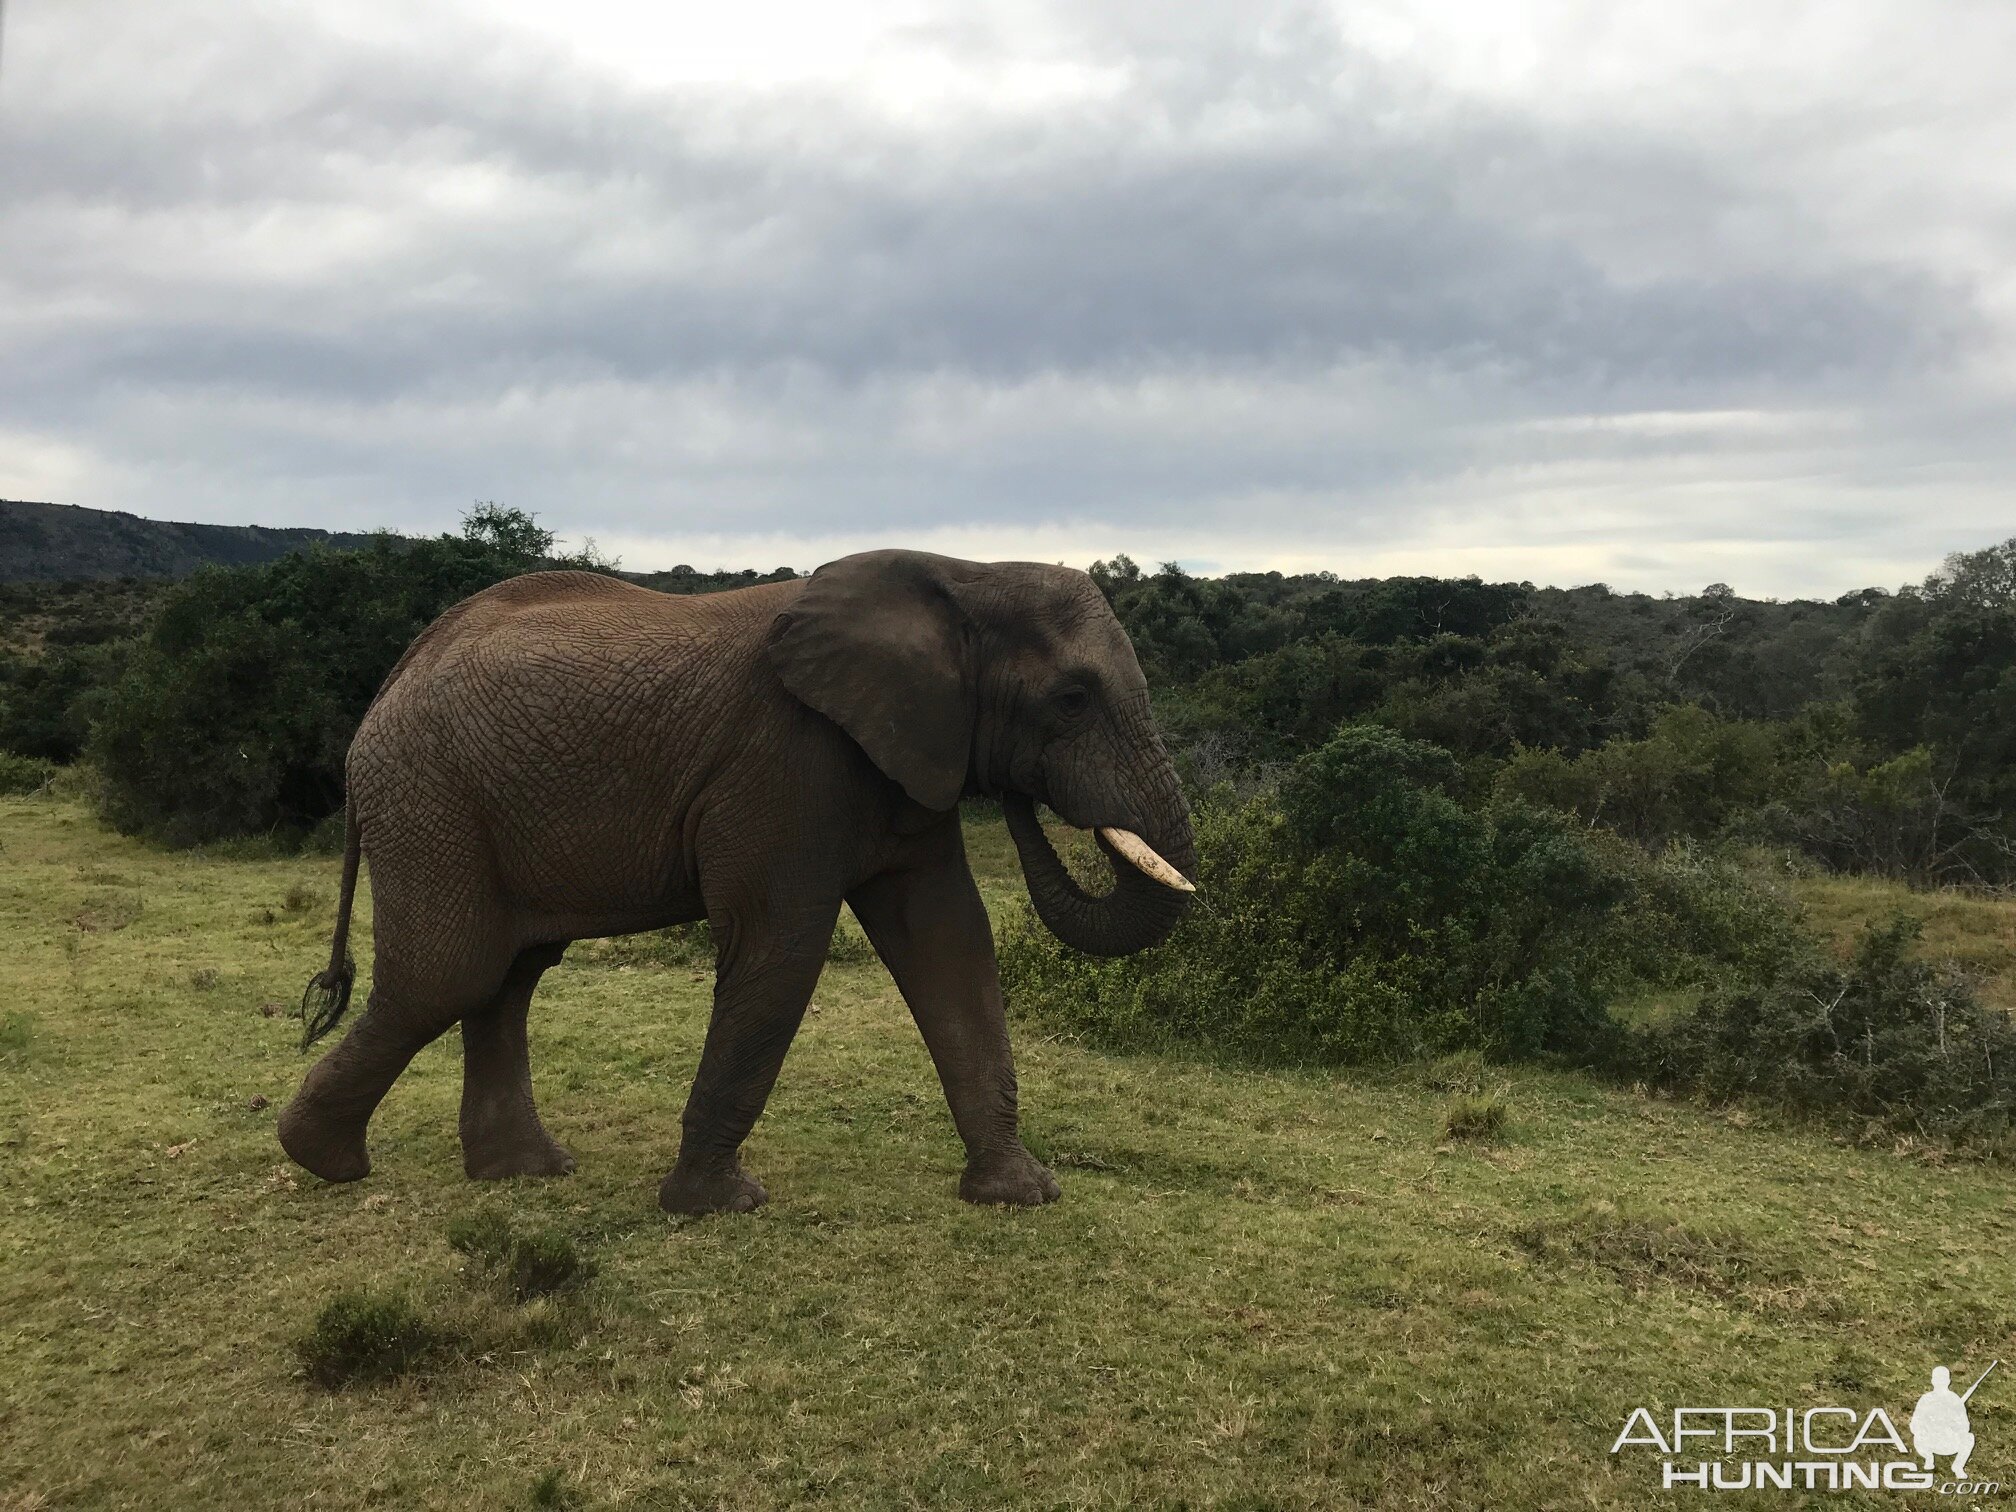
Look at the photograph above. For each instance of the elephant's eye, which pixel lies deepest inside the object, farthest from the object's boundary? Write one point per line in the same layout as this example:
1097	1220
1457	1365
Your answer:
1073	702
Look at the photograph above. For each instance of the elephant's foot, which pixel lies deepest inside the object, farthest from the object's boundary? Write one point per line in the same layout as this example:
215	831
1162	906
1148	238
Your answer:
333	1151
492	1160
710	1189
1012	1177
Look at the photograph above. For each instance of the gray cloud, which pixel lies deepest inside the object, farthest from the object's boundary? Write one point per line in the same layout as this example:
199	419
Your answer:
262	269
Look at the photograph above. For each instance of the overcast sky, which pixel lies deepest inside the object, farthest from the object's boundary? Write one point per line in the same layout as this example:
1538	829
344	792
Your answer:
1656	295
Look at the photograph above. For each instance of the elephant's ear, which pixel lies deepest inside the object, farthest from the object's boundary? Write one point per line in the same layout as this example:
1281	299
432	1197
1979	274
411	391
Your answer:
879	645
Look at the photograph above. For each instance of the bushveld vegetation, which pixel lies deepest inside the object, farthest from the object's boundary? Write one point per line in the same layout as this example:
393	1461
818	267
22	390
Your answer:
1434	815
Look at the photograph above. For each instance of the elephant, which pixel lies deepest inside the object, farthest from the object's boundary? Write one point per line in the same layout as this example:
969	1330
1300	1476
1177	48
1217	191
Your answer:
569	755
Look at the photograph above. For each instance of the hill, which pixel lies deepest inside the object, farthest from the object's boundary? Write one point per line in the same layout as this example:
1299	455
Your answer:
67	543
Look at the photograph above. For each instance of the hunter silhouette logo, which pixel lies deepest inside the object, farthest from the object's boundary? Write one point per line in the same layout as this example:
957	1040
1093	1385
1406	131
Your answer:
1939	1423
1824	1448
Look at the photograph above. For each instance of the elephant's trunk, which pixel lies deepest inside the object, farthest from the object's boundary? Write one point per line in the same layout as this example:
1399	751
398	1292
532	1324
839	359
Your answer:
1137	913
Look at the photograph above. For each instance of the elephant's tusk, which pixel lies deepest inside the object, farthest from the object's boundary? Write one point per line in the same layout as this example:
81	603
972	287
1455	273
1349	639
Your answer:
1142	855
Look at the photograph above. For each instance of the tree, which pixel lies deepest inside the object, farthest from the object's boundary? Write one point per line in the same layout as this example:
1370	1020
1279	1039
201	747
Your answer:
512	534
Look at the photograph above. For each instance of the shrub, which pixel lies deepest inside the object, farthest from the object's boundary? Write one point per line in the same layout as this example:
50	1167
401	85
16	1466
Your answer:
1888	1039
23	774
1690	776
360	1338
850	944
692	946
45	702
689	945
1363	911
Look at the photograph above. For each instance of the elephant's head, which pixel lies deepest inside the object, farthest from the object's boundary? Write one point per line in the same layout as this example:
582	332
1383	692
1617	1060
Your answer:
1005	679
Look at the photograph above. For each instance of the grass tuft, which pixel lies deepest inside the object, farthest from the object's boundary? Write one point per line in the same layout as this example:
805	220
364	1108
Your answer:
542	1263
552	1490
1462	1072
17	1032
546	1263
1476	1117
1638	1250
485	1237
359	1339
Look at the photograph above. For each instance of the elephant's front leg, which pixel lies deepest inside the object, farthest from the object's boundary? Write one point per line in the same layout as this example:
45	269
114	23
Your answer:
766	967
930	928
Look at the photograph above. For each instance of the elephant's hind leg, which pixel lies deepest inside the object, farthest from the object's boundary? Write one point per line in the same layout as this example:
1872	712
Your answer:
501	1131
410	1007
322	1128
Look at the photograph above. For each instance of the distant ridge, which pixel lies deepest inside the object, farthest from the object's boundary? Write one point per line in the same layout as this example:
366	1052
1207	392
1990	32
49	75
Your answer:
68	543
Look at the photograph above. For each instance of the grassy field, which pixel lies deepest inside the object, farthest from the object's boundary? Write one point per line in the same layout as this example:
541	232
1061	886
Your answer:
1975	933
1261	1290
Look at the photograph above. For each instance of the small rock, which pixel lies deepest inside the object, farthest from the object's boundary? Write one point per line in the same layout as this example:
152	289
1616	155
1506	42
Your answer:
257	1101
377	1202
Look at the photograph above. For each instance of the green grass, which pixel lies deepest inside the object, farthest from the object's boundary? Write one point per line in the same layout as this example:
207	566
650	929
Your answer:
1975	932
1260	1290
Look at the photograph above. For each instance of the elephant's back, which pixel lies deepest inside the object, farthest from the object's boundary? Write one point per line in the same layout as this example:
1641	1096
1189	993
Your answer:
567	721
541	619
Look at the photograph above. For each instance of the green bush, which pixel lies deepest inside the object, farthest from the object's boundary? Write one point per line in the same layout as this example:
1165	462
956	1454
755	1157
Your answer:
23	774
1688	777
46	701
1362	911
360	1338
1888	1039
692	946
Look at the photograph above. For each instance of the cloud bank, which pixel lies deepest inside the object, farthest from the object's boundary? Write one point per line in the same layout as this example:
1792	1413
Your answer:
1531	291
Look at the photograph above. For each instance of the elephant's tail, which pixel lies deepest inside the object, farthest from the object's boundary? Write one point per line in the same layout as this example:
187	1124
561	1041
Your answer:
330	990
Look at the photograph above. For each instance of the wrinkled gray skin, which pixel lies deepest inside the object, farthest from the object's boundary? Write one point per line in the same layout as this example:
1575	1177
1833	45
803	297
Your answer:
567	756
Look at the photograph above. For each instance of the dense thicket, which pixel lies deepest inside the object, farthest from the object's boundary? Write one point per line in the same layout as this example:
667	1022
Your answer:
1886	1038
1875	733
1360	908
